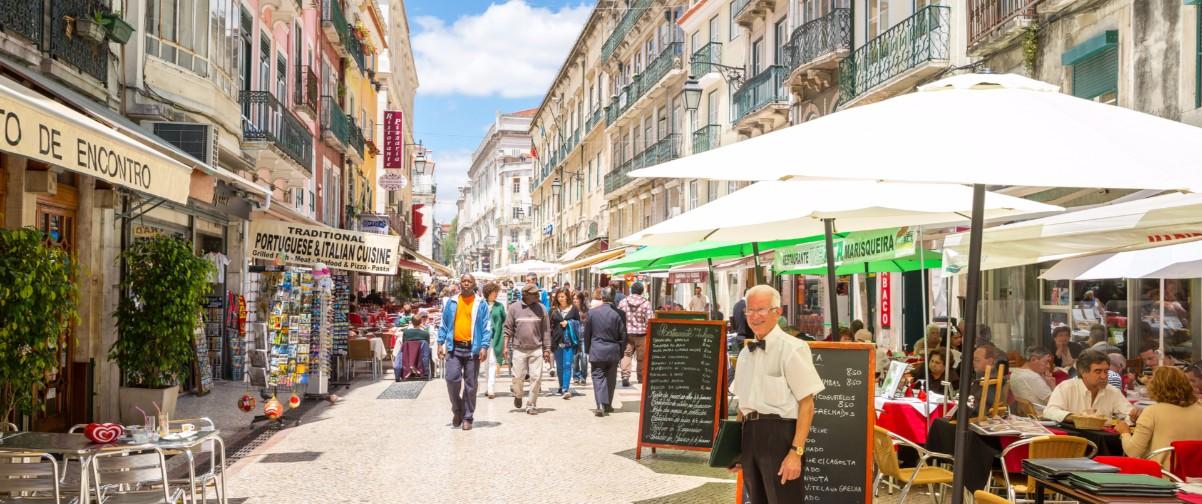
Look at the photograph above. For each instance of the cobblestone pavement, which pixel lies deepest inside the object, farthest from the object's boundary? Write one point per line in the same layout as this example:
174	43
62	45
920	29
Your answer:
364	449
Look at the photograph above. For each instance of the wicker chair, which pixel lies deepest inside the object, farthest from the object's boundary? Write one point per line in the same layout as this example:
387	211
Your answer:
1043	447
885	454
31	477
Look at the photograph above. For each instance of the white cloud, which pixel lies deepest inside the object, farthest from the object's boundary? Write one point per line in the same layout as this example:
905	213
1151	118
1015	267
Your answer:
512	50
450	172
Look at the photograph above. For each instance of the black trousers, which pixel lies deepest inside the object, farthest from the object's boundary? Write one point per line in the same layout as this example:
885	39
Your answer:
605	375
765	444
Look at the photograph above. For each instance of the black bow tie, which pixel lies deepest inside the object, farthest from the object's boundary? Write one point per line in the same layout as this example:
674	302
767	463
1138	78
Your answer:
754	344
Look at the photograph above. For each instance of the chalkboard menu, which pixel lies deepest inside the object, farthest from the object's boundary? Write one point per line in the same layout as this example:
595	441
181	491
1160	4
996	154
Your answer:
838	462
682	384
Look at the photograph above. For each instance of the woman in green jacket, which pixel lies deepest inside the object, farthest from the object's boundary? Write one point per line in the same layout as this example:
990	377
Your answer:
497	313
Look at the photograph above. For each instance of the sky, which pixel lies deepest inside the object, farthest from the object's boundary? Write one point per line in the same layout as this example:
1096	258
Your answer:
476	59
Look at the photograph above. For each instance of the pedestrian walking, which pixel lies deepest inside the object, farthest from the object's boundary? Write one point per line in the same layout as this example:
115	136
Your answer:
463	340
638	312
496	311
527	337
580	366
775	382
564	339
604	340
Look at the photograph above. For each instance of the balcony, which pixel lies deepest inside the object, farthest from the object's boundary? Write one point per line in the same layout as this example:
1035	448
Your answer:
993	24
333	23
279	140
90	59
752	10
707	137
762	101
629	19
304	92
22	17
704	59
335	126
892	63
593	120
666	149
354	49
644	83
355	141
283	11
815	49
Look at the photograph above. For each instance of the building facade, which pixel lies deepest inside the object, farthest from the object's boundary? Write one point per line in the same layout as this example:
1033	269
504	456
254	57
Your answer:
495	203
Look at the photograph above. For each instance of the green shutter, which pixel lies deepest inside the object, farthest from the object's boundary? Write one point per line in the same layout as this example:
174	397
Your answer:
1193	2
1097	74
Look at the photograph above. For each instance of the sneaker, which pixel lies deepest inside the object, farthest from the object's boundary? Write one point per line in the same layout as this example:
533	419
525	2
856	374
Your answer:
567	395
467	425
531	411
625	382
517	402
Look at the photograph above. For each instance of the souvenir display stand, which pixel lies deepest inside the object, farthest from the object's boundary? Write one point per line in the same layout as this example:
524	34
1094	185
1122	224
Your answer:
341	326
293	337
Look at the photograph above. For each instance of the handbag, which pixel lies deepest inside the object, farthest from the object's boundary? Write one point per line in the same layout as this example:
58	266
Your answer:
728	447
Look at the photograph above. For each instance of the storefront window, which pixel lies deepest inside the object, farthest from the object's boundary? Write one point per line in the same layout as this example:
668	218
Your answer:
1178	320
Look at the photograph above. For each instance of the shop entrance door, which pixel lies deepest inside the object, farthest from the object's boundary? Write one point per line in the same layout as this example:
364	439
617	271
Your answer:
57	224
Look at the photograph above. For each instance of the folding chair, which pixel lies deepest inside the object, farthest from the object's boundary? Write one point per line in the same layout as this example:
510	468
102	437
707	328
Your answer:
215	448
133	476
31	477
1043	447
885	454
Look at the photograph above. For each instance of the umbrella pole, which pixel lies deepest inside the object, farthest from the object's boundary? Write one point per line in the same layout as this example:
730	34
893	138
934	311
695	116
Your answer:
1162	352
970	336
926	360
755	258
713	288
832	295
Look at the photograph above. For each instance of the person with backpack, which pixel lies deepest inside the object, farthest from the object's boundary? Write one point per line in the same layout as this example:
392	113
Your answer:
565	324
638	312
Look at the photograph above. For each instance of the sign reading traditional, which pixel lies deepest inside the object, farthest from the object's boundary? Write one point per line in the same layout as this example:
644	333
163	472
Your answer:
39	128
855	248
394	139
337	248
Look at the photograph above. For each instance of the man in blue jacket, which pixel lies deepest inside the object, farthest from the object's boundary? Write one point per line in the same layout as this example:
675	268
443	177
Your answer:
465	334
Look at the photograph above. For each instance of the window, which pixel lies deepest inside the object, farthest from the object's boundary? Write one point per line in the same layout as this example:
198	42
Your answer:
265	61
693	194
517	185
757	56
695	41
711	108
734	28
714	28
590	175
1095	67
711	190
782	39
281	77
198	35
661	124
878	17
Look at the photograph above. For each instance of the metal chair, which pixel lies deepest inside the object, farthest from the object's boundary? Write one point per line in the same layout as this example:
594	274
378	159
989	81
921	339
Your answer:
359	350
983	497
884	452
1040	448
215	448
31	477
1165	472
133	476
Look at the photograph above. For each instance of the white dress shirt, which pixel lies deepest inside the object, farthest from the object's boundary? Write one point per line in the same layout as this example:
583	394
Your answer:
697	303
773	380
1028	385
1071	397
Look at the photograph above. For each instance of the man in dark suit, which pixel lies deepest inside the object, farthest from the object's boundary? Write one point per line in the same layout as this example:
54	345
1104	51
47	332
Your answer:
604	341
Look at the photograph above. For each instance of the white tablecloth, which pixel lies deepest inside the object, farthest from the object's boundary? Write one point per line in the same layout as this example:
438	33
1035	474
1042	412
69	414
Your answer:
378	351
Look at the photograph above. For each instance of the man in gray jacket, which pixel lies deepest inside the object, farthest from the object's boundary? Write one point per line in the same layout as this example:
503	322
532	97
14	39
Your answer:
604	340
527	337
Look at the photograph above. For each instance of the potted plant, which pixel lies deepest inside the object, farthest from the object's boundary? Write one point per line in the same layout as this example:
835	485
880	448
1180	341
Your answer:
38	300
116	28
92	28
163	287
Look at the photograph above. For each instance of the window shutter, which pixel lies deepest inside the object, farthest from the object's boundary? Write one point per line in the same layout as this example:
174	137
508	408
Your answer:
1097	74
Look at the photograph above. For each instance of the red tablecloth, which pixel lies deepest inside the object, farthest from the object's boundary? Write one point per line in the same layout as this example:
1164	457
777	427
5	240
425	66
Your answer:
907	422
1191	498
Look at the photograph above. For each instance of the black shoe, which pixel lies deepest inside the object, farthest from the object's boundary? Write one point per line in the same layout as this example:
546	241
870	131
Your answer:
609	409
552	373
625	382
517	402
456	422
599	413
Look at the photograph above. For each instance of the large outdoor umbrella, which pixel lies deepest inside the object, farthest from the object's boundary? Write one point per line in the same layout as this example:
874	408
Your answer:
970	129
529	266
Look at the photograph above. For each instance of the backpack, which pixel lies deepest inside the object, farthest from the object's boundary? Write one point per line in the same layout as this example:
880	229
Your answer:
572	334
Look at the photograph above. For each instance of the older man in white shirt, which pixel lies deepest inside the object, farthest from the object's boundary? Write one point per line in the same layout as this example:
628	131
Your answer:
1089	393
775	382
1033	382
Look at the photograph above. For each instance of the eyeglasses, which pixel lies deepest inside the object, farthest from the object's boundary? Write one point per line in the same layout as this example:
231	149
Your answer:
761	311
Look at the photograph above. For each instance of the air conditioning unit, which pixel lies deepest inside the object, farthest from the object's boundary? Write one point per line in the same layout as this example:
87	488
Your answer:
195	139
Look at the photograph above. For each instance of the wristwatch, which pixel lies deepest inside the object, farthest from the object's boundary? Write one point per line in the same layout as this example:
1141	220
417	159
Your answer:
799	450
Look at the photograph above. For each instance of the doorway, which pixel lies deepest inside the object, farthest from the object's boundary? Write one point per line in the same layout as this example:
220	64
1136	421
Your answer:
64	396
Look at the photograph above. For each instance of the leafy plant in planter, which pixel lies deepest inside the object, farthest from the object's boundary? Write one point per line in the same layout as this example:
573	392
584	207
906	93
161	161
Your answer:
37	307
116	28
165	285
91	29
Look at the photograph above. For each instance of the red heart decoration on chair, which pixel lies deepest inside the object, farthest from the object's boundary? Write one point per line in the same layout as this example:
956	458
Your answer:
103	432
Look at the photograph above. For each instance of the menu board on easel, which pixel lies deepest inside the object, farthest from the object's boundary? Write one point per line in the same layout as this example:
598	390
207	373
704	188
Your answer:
683	385
839	448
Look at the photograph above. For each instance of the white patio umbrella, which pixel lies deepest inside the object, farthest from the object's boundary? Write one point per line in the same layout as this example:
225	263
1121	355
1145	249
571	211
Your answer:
531	266
777	210
483	276
970	129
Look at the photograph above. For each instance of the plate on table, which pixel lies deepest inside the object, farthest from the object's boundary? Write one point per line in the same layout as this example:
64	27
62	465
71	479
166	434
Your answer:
1049	423
177	436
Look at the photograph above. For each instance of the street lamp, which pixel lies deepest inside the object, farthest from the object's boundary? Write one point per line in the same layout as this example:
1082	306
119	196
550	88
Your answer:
692	94
556	186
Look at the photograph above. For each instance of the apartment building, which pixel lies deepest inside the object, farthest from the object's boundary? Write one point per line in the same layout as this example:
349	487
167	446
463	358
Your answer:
494	218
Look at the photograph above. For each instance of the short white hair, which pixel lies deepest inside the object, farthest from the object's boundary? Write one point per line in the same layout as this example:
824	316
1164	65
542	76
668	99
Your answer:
765	289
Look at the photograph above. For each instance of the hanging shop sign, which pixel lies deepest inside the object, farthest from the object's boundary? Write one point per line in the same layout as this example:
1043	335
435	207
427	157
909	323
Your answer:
226	198
393	180
886	300
862	247
371	223
394	139
548	229
687	277
305	245
36	127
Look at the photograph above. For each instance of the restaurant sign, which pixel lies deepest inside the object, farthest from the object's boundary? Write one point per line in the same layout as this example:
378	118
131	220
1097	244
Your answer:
394	139
855	248
373	223
305	245
686	277
393	180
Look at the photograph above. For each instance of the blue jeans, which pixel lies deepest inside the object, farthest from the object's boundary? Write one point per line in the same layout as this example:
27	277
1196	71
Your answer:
581	366
563	365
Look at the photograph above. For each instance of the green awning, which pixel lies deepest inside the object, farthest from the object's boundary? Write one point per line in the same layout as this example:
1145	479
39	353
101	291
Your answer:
650	257
933	259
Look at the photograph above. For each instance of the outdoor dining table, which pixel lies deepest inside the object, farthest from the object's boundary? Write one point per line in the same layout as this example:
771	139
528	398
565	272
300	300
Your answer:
908	418
76	446
1067	490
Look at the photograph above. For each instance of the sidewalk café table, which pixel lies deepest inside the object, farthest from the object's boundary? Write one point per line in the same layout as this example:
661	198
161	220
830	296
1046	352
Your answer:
1077	494
78	447
906	417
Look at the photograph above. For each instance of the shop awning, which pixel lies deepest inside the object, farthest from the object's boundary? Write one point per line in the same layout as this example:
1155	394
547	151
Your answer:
593	259
40	128
654	257
413	266
578	251
434	265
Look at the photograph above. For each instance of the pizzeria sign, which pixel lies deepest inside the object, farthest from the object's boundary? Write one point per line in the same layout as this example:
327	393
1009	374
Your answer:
305	245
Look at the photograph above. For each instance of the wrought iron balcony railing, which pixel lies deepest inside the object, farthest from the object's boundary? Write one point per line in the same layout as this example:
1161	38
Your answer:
333	19
667	60
819	37
24	18
267	120
764	88
987	16
916	40
354	47
737	7
666	149
89	58
706	137
593	119
629	19
304	94
354	136
704	58
334	121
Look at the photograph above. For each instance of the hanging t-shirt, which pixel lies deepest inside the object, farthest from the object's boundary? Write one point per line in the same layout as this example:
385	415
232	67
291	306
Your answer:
219	262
